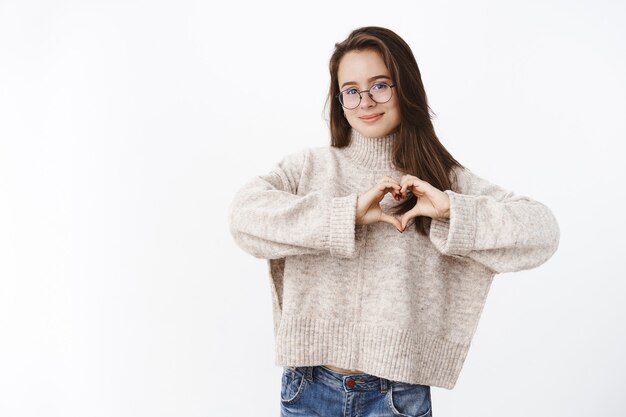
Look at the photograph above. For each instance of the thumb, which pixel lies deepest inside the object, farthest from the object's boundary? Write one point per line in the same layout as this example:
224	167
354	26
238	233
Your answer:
392	220
404	220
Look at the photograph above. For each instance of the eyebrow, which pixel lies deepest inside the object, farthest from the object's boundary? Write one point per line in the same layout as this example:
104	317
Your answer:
369	79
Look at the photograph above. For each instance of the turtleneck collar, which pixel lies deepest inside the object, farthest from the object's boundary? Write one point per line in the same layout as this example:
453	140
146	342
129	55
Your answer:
371	153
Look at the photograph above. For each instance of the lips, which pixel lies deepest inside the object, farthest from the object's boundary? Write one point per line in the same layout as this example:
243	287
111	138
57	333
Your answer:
370	117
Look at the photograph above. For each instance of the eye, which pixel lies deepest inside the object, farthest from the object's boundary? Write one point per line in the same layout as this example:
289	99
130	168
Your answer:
350	91
379	86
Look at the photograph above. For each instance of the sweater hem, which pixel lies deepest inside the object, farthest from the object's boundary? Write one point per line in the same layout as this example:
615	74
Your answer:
391	353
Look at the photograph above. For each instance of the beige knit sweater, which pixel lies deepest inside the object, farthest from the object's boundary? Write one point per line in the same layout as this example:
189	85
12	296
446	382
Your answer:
397	305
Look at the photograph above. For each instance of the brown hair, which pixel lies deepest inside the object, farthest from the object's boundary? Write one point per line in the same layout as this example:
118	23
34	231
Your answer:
417	150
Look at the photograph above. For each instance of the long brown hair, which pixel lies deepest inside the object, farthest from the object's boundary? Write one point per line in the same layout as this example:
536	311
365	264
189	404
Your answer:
417	150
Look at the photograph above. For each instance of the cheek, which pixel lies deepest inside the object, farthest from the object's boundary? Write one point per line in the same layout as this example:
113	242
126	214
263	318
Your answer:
396	106
396	111
395	116
351	118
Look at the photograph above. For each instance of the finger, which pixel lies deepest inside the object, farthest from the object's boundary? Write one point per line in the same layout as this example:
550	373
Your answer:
406	184
413	185
396	191
419	182
377	193
389	182
387	186
379	189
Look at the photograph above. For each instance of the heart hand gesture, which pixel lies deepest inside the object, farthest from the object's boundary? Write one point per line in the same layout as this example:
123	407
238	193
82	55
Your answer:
431	202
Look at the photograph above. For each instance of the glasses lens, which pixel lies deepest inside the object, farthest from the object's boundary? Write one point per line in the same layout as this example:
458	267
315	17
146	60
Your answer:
381	92
350	98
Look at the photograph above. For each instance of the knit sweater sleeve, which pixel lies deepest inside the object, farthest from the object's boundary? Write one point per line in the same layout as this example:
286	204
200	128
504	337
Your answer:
270	220
492	225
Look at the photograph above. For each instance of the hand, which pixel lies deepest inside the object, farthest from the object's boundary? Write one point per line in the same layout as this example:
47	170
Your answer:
368	208
431	202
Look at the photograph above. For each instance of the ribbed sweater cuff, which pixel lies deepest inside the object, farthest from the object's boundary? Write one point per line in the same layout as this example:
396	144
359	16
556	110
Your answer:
342	226
455	236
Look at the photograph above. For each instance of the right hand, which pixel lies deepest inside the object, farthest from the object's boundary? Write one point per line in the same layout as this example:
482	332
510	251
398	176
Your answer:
368	208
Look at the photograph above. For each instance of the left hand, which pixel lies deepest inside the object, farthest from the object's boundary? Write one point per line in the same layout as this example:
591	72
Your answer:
431	201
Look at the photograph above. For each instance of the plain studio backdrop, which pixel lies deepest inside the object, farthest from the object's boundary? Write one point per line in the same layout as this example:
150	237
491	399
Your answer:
127	127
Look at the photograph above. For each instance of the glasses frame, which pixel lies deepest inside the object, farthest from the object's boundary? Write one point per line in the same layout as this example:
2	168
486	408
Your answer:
369	92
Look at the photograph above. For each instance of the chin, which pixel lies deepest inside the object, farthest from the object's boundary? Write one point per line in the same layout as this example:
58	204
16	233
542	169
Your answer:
375	131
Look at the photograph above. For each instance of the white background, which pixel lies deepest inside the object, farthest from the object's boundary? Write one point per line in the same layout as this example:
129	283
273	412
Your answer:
126	128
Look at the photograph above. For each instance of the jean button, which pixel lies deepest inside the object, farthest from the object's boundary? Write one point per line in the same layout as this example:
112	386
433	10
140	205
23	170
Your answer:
350	383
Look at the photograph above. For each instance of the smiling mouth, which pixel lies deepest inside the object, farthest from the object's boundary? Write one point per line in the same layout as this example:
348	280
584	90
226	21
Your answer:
371	117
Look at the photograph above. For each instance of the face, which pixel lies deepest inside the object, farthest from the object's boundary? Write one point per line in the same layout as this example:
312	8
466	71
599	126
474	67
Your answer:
361	70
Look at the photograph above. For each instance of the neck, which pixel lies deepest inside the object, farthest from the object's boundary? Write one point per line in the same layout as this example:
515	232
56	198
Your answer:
371	153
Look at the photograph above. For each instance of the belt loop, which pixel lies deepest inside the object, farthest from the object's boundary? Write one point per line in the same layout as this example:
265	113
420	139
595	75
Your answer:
384	384
309	373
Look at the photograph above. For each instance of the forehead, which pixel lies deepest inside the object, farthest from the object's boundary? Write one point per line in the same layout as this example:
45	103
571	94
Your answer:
359	66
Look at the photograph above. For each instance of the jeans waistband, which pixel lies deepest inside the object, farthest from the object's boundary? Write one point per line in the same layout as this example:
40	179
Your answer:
349	382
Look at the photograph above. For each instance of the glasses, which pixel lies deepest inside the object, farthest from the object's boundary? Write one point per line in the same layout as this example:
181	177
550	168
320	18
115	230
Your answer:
350	98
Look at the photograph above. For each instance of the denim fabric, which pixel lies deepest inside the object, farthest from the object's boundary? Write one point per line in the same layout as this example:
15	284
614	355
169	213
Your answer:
319	391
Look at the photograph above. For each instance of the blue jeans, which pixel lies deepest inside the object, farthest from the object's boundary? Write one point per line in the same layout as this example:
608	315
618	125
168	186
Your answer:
319	391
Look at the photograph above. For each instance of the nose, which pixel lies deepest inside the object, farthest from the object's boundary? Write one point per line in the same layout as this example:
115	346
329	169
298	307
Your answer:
366	100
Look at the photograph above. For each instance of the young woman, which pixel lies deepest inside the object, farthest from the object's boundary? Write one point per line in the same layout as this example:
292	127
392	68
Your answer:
381	247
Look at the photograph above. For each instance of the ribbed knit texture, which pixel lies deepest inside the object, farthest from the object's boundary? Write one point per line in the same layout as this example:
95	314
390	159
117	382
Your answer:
397	305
